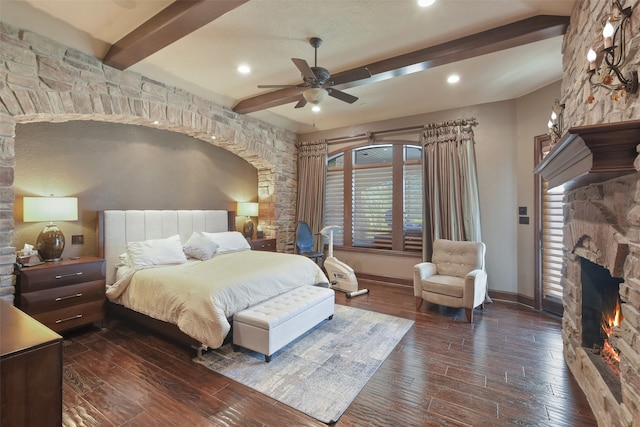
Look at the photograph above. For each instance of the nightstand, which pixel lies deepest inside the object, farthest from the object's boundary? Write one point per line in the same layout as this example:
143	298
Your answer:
65	294
268	245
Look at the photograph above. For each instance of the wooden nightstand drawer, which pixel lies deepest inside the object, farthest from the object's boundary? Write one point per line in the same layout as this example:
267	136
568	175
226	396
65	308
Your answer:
50	275
268	245
65	294
61	297
71	317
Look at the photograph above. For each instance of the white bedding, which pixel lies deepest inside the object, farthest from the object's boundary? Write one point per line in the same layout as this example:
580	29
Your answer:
200	296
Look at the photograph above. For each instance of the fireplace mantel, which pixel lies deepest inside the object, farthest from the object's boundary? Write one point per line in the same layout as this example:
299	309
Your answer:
593	153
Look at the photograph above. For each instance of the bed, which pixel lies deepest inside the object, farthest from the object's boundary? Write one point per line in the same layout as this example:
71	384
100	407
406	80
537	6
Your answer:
190	300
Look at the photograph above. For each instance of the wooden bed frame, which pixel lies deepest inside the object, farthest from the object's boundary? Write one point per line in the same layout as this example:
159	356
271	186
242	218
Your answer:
162	225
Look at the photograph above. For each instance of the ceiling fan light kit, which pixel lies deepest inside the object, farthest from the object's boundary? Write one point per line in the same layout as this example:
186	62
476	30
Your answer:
315	95
317	81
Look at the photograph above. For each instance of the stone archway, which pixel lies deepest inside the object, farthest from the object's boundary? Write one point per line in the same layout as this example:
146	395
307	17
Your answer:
46	81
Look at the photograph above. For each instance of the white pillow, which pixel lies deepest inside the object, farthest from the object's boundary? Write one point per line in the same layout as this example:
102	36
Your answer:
199	247
157	252
228	241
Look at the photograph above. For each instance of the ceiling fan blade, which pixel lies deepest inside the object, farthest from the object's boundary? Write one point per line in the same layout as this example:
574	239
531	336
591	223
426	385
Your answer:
342	96
301	103
350	76
275	86
304	68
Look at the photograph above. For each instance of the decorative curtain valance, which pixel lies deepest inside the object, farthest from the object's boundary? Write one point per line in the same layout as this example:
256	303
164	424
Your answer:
448	131
312	171
452	206
312	148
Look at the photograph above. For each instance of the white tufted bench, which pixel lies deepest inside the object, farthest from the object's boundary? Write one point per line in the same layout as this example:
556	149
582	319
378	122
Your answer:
272	324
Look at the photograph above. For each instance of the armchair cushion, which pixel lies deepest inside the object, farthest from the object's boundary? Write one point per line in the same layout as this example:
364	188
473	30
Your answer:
445	285
457	258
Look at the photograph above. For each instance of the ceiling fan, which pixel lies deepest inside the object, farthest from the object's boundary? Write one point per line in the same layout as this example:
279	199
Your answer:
318	80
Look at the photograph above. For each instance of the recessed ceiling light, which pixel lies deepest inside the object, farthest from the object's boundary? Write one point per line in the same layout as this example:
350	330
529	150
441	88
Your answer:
453	78
315	108
425	3
244	69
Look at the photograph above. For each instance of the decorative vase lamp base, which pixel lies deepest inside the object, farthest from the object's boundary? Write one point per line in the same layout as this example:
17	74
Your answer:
50	244
248	228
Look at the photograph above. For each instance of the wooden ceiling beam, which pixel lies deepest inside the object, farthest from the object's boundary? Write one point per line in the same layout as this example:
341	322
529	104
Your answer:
167	26
507	36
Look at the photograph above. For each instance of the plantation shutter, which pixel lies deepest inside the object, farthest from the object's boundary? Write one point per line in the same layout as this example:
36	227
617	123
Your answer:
413	207
372	206
334	203
551	244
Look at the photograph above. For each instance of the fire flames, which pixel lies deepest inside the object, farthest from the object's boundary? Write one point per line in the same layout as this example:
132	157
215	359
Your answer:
610	320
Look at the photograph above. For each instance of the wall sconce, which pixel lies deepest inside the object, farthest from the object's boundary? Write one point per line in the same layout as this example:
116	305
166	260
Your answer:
248	209
608	75
50	243
556	122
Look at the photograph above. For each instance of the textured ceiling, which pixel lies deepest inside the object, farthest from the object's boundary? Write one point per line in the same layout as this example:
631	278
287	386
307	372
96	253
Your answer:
266	34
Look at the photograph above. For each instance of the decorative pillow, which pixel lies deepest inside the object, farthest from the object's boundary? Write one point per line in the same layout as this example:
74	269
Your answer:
156	252
199	247
228	241
124	260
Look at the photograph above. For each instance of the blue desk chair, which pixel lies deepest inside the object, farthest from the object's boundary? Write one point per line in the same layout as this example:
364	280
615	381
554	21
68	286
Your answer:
305	242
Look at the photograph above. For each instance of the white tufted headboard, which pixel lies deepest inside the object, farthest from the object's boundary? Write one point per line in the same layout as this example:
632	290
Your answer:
116	228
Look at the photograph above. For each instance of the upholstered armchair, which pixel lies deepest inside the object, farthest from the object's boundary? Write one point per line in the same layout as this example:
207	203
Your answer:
455	277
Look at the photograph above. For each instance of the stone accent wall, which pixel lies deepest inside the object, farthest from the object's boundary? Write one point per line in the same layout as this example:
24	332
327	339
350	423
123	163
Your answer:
41	80
602	221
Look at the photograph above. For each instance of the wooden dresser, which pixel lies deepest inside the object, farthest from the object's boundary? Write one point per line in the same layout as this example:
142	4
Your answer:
30	371
268	245
65	294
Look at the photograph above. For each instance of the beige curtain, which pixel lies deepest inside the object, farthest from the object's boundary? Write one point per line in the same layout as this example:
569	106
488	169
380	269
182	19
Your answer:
312	171
451	201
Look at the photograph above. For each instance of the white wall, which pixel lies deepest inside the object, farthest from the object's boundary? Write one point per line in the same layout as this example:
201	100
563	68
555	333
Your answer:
534	111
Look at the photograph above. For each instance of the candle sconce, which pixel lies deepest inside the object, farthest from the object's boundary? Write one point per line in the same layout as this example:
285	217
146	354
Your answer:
556	122
608	75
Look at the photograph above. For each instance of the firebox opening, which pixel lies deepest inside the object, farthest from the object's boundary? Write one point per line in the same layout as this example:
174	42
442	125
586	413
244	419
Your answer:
600	301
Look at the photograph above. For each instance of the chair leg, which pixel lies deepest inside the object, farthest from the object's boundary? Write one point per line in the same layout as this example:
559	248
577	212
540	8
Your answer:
469	313
418	303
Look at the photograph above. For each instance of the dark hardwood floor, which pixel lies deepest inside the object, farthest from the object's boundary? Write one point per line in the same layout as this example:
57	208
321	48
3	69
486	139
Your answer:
505	369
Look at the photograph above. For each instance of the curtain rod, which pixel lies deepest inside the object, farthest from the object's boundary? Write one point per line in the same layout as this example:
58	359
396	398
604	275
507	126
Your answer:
458	122
372	134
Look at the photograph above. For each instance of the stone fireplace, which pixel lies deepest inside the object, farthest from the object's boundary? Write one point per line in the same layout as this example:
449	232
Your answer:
598	166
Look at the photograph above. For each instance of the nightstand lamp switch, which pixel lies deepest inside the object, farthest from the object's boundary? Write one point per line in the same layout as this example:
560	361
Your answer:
50	242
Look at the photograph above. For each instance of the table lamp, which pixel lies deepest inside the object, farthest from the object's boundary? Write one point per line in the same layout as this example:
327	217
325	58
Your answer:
248	209
50	243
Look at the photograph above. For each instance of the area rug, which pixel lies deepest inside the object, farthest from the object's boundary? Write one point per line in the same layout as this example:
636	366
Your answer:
321	372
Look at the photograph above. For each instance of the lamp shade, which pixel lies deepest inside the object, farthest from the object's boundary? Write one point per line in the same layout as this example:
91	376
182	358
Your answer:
247	209
40	209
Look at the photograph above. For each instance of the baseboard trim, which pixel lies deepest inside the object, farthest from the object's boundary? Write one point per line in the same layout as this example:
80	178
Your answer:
386	280
401	282
512	297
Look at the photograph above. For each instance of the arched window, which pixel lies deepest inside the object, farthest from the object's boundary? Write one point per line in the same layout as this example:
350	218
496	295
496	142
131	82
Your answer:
375	194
